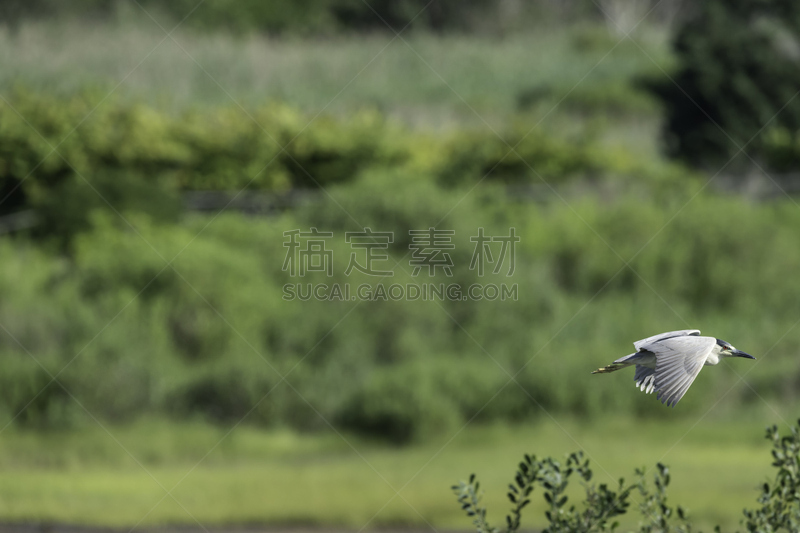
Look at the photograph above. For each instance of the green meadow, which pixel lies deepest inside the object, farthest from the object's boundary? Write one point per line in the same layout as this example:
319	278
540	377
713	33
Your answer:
279	477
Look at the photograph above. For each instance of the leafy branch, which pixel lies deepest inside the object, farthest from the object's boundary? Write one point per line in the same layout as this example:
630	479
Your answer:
780	500
779	511
600	506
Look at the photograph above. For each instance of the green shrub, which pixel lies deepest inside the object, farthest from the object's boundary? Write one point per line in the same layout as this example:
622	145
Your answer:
782	149
780	500
213	336
303	17
185	317
401	404
131	158
737	73
600	507
779	511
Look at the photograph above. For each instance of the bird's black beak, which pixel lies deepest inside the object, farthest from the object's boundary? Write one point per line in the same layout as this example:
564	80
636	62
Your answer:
739	353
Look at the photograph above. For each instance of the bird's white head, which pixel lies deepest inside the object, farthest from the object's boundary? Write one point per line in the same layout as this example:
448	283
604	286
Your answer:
725	349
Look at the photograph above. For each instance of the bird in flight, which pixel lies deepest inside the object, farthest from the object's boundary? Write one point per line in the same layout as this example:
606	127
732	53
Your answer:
668	363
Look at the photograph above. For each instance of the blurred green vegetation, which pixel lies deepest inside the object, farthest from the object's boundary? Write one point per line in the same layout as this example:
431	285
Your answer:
129	154
193	322
279	476
736	81
778	508
170	326
306	17
580	66
190	311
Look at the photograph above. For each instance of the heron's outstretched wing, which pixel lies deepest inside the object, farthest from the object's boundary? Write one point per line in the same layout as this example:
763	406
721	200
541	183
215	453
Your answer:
642	344
645	378
678	361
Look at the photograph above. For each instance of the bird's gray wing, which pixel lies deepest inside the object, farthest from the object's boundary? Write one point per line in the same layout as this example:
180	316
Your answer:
678	361
645	378
642	344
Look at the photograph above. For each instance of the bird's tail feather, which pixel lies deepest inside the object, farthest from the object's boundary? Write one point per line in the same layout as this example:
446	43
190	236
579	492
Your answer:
613	367
622	362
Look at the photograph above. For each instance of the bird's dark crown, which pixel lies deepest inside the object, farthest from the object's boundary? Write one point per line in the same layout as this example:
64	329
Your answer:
724	344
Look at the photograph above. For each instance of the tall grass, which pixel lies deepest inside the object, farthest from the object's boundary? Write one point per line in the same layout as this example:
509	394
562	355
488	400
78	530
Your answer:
284	478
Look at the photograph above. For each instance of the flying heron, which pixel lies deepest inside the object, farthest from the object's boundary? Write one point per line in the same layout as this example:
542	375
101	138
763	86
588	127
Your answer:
669	362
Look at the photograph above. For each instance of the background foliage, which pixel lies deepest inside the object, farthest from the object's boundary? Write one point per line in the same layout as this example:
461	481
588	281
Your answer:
409	366
200	328
601	505
307	16
736	82
165	324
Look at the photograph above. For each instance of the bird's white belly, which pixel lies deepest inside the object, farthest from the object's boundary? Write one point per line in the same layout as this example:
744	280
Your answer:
712	359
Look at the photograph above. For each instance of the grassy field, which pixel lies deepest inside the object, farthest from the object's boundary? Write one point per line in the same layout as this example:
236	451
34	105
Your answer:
121	477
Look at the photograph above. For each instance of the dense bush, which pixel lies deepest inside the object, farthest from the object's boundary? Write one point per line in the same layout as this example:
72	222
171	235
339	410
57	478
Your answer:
297	16
213	336
183	315
779	511
782	150
737	73
135	158
599	510
214	149
131	155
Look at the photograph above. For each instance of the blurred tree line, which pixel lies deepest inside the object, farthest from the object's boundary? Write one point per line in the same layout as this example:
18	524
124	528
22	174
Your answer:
396	369
736	85
133	154
332	16
733	83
